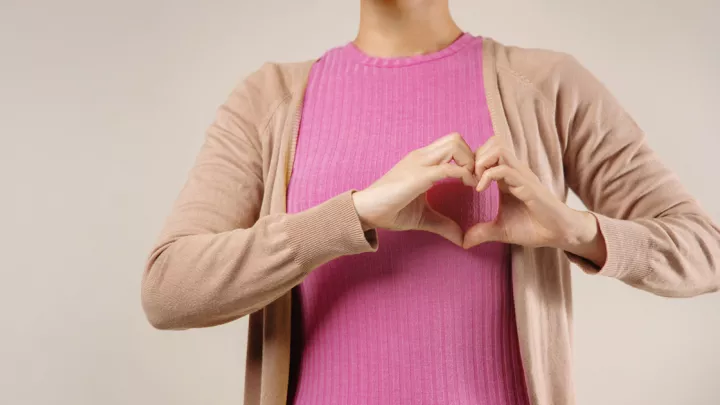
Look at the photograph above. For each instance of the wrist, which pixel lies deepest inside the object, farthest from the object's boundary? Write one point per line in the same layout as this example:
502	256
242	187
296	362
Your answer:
581	229
361	210
583	237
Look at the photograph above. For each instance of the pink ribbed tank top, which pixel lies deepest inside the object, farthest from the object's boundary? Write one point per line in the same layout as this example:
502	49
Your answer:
421	321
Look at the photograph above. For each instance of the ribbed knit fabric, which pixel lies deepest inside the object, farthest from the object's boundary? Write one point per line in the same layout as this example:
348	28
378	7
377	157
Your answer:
421	321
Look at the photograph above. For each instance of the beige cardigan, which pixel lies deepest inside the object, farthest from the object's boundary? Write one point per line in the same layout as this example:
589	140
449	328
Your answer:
229	249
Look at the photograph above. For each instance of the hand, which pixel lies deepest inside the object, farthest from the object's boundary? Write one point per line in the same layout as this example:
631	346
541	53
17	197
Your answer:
530	215
397	200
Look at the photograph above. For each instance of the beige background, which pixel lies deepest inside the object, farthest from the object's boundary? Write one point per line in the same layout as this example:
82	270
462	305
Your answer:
103	107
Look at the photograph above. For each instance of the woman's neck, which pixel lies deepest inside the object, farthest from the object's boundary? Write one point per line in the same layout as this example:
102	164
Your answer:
405	27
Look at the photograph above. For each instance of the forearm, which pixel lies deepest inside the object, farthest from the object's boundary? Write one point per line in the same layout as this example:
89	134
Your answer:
206	279
674	255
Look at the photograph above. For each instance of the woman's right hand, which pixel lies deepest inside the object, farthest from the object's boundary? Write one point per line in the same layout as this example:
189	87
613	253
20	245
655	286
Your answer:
397	200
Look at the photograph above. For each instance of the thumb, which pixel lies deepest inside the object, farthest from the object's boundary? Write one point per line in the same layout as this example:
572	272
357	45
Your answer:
435	222
481	233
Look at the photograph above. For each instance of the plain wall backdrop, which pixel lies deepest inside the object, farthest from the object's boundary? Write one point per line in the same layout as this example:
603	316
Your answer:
103	106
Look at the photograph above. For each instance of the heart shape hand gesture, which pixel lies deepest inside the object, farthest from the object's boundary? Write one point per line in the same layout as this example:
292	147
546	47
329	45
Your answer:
529	214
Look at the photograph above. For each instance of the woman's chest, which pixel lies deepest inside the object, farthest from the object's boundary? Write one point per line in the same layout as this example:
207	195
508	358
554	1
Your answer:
349	140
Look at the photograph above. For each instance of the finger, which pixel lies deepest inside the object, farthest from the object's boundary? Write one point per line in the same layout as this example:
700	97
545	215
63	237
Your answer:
523	193
448	171
482	233
492	153
510	176
437	223
447	148
493	156
494	140
485	160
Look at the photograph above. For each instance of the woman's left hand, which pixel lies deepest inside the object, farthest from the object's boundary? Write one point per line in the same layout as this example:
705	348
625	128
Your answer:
530	215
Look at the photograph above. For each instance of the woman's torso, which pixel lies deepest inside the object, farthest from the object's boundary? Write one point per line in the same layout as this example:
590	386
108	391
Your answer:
421	320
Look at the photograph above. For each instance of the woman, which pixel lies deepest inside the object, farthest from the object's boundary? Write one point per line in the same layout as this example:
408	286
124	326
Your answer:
445	278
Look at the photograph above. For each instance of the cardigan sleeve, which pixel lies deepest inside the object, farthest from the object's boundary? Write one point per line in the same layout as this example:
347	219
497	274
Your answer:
657	236
216	259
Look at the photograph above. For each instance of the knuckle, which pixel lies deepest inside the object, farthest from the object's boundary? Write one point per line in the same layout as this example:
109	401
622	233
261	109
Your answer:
453	140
